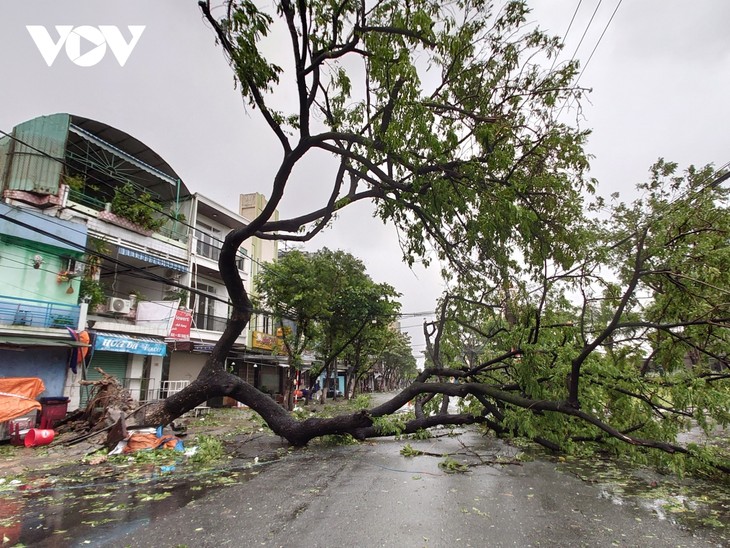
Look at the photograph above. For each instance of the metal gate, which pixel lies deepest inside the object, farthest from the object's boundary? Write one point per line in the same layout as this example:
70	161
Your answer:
113	363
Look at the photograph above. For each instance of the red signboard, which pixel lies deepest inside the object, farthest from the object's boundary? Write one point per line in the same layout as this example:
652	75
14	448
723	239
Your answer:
181	325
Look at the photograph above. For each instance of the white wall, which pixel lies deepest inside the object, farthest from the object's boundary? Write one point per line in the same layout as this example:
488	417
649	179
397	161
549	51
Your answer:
185	366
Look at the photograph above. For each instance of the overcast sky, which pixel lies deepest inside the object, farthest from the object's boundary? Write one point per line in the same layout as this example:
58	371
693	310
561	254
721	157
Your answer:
660	78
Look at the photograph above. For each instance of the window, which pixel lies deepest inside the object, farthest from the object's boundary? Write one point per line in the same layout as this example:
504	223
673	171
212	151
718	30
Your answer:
209	241
71	265
204	314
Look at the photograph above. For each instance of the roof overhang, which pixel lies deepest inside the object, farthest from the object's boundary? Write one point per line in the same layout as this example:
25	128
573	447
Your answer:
29	341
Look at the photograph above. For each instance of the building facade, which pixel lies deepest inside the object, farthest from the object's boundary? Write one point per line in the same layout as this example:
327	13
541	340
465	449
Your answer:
99	235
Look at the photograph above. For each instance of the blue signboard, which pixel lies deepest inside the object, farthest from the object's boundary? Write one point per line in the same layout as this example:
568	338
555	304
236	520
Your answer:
113	343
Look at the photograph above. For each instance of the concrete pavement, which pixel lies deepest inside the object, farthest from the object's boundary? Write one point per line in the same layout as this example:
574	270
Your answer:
371	496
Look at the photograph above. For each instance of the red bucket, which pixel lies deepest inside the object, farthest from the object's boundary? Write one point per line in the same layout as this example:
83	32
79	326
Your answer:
39	436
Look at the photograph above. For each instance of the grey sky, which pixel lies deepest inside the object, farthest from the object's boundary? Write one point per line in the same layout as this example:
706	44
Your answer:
659	76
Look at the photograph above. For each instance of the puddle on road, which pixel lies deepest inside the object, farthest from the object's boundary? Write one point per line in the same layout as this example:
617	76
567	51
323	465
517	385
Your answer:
65	507
102	503
689	503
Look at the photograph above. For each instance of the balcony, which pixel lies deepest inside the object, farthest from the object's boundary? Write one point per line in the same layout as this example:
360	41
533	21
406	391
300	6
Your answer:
172	229
207	322
15	311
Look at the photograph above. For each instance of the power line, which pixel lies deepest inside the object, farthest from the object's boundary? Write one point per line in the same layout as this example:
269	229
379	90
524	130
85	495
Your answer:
565	35
413	314
96	179
140	271
262	265
214	238
600	38
570	25
145	274
598	42
590	22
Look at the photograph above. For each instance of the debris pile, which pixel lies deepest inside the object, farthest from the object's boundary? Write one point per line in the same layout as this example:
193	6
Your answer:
108	402
107	416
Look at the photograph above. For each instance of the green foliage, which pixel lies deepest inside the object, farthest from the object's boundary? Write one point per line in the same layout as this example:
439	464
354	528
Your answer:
93	291
392	425
329	297
8	450
300	413
385	348
138	207
453	466
362	401
209	420
337	440
210	449
75	182
433	406
149	456
581	331
421	434
408	451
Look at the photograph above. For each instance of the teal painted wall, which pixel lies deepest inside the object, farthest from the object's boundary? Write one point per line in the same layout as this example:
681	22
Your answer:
20	242
20	279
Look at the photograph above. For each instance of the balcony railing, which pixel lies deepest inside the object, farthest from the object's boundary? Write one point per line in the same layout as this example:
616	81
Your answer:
85	200
141	389
208	322
175	230
29	312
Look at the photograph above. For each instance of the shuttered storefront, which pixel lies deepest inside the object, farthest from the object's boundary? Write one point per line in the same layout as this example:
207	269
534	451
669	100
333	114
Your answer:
113	363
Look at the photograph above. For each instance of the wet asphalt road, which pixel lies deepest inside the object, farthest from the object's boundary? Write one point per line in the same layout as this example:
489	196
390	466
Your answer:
371	496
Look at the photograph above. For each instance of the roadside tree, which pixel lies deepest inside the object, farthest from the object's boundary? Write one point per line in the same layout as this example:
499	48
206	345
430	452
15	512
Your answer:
379	350
322	301
443	115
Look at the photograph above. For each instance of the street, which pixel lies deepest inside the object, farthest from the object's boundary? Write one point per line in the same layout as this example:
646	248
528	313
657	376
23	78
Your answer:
369	495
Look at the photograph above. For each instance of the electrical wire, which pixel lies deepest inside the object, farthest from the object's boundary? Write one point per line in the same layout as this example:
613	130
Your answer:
86	249
598	42
565	35
214	238
142	271
263	266
590	22
593	51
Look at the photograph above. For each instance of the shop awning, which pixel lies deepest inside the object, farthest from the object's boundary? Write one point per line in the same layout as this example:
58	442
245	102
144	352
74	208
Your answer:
114	342
146	257
18	341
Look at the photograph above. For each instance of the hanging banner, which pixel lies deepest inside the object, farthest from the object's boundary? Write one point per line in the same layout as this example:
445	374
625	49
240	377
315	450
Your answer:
131	345
181	325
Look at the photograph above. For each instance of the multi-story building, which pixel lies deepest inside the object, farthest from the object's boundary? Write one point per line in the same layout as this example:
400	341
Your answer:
99	234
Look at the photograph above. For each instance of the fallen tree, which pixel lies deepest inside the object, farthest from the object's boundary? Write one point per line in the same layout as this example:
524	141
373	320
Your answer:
444	117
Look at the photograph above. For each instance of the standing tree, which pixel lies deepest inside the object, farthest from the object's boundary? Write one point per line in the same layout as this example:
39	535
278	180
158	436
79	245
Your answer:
329	300
395	363
294	291
443	116
356	304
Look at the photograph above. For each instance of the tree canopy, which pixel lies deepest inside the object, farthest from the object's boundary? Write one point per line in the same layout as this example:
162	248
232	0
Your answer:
444	115
324	302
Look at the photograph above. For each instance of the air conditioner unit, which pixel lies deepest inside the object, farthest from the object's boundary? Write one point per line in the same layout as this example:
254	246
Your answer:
122	306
